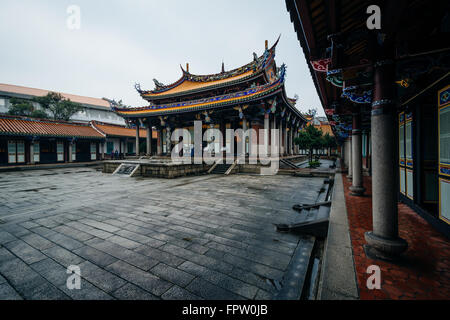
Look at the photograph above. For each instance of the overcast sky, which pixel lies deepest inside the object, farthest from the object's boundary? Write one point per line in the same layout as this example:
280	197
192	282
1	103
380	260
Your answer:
122	42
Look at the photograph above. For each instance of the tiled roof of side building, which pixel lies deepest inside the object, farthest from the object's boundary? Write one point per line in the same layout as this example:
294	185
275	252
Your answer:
23	126
120	131
20	90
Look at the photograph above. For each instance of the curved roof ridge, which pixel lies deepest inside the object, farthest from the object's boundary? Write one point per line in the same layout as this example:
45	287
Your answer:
258	64
220	100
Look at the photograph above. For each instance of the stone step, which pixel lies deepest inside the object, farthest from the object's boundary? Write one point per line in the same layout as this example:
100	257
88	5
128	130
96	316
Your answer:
221	168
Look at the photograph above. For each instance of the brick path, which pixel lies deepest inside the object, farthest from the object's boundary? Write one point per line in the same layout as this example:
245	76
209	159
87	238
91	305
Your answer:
426	273
201	237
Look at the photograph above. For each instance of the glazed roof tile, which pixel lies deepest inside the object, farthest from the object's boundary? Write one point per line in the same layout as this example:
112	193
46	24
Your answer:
39	127
206	103
120	131
191	83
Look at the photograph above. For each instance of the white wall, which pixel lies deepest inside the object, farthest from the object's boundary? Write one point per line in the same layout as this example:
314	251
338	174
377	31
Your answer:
86	115
107	116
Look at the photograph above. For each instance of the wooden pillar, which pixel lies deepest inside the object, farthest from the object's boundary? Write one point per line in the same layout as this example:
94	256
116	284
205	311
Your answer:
149	139
159	141
137	138
266	132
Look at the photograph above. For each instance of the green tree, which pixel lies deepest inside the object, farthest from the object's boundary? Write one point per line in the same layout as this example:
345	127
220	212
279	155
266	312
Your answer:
22	107
329	142
58	106
310	138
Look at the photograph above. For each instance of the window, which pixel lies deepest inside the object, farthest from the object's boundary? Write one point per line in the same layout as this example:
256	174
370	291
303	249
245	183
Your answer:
405	145
401	140
12	152
36	152
408	141
16	151
93	151
60	151
444	153
20	151
444	135
74	151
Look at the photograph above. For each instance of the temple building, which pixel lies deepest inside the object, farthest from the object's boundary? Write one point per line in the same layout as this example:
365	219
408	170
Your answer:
249	97
382	75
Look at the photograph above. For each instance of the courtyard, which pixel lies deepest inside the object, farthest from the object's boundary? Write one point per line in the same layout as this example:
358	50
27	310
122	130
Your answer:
200	237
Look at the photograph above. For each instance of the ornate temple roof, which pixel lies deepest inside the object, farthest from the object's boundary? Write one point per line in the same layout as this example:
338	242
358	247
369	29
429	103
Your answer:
190	83
206	103
261	67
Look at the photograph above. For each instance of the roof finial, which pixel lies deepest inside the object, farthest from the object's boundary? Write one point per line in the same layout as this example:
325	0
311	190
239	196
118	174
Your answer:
266	44
187	66
223	67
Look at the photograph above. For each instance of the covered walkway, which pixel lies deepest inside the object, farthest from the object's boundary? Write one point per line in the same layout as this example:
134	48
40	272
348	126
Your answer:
423	272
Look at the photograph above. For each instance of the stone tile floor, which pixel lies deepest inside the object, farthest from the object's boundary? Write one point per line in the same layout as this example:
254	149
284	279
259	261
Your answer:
203	237
424	272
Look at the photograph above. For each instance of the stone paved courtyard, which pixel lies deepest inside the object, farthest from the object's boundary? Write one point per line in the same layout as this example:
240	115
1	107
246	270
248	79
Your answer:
203	237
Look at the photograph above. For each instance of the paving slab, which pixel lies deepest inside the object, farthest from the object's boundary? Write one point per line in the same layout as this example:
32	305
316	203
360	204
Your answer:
203	237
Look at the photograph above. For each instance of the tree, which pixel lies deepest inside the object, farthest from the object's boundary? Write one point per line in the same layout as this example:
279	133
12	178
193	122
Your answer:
60	107
329	142
310	138
22	107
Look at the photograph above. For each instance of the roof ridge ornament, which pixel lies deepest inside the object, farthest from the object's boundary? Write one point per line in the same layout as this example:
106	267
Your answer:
282	72
158	85
137	86
113	104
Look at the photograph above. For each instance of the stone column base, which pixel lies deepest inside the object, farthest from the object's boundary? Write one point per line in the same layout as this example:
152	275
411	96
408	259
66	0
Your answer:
381	248
357	191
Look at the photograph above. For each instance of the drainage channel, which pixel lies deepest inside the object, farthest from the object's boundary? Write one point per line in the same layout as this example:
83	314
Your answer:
313	274
301	280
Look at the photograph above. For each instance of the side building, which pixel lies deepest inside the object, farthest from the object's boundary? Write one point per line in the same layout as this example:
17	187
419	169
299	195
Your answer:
96	123
30	141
